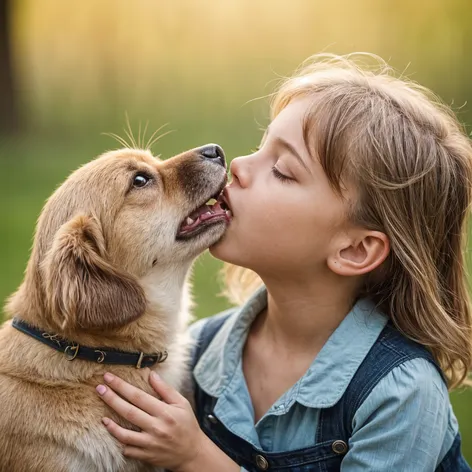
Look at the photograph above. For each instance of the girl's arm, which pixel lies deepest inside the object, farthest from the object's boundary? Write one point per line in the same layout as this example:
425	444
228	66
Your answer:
404	424
170	436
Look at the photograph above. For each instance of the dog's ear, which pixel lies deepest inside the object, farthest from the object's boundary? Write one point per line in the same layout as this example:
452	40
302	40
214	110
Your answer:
82	289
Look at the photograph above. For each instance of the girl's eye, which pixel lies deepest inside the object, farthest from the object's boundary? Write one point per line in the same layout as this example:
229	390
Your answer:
279	175
141	180
257	148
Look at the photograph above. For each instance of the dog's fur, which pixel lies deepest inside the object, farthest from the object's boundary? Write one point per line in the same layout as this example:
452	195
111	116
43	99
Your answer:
106	269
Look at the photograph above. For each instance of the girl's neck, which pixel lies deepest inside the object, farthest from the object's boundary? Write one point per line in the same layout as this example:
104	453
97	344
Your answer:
302	314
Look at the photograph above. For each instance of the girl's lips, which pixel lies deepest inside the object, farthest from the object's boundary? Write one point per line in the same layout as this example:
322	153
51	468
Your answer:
226	199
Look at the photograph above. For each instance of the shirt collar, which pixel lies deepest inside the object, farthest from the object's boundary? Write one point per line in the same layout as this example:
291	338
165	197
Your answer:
327	378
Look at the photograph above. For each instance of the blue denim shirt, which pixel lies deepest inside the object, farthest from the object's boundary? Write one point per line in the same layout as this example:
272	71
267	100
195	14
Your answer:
405	424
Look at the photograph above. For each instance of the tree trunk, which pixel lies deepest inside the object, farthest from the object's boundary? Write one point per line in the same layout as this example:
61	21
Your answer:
8	110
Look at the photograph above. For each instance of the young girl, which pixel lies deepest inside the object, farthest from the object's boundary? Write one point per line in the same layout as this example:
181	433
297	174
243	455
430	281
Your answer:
353	216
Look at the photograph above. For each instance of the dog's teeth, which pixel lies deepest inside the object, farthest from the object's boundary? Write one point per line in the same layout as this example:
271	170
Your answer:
189	221
228	213
210	202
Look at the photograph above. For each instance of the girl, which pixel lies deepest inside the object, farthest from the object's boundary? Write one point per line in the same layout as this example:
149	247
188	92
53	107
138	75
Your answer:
353	216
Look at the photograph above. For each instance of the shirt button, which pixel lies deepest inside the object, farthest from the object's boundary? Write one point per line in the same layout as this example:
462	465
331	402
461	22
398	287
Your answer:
261	462
339	447
212	419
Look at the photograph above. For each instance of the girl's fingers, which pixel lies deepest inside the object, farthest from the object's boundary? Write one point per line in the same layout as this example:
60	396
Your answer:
136	396
136	453
166	392
126	436
128	411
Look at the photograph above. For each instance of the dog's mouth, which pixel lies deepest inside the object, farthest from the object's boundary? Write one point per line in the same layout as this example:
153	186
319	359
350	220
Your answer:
214	210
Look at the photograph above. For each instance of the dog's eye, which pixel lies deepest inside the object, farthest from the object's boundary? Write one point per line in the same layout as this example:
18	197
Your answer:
141	180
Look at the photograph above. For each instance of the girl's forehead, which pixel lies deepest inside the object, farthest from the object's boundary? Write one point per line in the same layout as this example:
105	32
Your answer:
289	124
292	116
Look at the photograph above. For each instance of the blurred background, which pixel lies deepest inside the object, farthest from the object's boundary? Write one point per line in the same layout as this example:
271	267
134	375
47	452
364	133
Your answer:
70	71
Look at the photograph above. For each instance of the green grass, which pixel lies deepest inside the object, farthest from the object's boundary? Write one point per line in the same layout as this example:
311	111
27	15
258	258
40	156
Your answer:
31	168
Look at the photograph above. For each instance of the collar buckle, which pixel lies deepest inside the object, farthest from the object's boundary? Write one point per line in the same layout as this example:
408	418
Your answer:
162	356
140	359
71	351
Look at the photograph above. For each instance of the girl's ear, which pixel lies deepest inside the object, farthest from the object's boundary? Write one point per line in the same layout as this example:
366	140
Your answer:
361	255
82	289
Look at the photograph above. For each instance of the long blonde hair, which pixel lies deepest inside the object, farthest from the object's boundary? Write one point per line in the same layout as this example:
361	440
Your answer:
411	162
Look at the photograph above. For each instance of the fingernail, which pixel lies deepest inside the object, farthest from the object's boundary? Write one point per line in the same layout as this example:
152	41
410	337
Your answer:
155	376
105	421
108	377
101	389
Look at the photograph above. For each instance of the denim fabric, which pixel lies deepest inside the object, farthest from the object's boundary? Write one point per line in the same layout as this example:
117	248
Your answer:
369	387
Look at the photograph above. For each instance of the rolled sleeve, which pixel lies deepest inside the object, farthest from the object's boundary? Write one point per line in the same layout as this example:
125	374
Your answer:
404	424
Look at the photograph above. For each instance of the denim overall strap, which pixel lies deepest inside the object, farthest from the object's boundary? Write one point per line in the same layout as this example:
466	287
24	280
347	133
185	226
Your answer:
454	460
208	332
391	350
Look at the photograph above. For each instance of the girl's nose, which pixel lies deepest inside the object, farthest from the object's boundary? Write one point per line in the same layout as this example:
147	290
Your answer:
239	171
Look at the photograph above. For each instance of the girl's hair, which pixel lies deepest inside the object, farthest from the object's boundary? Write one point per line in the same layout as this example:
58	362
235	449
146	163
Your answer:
411	163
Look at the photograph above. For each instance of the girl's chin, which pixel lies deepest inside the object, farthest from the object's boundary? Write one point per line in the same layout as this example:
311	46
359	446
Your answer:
224	250
217	250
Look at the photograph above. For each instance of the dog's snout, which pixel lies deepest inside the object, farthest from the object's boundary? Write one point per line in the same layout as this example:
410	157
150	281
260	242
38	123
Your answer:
214	153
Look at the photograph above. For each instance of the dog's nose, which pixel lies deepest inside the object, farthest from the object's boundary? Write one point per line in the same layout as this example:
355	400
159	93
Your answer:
214	153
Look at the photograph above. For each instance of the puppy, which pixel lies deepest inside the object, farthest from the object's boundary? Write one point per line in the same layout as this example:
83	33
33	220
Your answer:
107	281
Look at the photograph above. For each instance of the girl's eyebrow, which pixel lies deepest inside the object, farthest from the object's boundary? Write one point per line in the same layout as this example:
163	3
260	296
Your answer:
282	143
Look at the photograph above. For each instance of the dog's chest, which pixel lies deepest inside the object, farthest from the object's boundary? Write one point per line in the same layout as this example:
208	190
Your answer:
104	455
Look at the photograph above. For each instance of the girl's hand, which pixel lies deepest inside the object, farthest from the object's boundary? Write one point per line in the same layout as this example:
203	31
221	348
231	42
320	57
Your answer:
170	436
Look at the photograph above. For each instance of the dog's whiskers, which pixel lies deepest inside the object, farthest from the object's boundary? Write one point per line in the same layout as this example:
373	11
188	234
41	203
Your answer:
153	139
154	134
159	137
129	132
121	140
140	143
141	140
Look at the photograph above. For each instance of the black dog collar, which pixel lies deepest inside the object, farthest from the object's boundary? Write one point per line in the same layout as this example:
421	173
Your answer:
101	355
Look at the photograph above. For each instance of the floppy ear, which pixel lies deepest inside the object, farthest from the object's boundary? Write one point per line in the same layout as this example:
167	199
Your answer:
82	289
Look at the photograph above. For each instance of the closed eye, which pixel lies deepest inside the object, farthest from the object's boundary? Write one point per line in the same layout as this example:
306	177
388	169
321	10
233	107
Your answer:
279	175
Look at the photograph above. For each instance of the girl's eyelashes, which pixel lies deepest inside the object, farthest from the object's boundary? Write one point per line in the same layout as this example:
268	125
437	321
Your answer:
275	171
279	175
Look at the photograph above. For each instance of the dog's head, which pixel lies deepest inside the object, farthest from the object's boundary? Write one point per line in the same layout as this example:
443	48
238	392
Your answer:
110	224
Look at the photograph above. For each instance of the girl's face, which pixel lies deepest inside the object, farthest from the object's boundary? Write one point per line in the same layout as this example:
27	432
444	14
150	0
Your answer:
286	218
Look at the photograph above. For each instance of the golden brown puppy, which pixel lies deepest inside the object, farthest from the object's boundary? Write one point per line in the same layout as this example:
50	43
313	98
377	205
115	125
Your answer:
108	271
